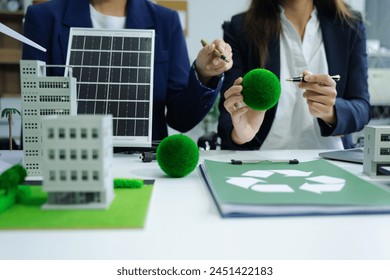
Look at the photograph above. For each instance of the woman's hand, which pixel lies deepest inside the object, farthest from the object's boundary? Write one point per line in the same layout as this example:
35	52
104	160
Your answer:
246	121
209	65
320	93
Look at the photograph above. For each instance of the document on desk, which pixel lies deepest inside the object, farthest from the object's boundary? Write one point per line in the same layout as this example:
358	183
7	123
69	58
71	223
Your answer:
276	189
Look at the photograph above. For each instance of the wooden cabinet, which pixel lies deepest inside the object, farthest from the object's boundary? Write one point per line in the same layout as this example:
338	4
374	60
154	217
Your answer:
10	55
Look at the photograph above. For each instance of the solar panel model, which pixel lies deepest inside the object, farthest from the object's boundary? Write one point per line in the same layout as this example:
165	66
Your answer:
114	72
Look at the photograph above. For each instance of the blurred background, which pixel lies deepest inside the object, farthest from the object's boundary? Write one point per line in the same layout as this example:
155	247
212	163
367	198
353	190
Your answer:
203	19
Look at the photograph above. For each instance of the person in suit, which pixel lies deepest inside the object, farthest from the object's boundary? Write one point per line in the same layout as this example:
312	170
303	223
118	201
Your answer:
182	94
309	38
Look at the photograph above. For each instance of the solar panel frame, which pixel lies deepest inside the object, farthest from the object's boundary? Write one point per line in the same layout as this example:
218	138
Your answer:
114	71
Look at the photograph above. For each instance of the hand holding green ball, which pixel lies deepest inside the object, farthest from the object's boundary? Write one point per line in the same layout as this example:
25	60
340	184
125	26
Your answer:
261	89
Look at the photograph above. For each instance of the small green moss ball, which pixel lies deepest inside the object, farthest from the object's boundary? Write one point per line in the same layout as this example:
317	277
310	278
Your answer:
177	155
125	183
261	89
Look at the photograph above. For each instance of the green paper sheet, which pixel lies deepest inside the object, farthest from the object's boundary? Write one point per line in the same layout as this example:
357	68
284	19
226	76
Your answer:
128	210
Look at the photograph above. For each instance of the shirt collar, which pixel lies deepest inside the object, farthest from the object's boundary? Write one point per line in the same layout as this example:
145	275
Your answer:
285	20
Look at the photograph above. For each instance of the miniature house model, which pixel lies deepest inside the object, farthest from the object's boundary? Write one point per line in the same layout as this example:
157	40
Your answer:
377	151
41	96
77	165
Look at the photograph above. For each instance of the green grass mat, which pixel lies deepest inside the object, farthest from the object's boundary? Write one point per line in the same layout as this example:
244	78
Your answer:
128	210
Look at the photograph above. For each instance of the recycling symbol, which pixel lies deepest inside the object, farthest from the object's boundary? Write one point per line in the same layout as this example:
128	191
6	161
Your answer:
256	180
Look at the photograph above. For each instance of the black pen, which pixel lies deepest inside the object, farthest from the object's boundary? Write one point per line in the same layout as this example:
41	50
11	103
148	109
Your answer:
147	156
288	161
216	52
298	79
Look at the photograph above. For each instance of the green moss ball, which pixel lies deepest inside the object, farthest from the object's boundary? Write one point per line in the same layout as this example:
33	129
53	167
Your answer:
125	183
261	89
177	155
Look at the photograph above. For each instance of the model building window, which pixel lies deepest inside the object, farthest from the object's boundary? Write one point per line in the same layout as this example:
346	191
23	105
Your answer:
61	133
72	133
73	154
95	176
32	139
95	154
95	133
51	154
52	175
50	133
32	153
83	133
62	154
73	175
63	175
84	154
84	175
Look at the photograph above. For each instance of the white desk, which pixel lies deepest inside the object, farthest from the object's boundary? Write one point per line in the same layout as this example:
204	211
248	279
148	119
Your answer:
183	223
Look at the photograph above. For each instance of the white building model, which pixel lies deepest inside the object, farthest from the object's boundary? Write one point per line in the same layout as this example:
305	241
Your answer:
41	96
376	163
77	167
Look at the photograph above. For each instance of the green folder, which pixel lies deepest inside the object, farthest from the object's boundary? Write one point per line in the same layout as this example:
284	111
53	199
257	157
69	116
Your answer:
281	189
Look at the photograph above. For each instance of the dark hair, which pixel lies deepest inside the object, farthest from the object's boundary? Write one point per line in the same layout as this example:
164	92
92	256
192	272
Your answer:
262	20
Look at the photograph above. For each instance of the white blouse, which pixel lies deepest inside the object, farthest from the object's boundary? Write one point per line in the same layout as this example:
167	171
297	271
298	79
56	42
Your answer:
294	127
101	21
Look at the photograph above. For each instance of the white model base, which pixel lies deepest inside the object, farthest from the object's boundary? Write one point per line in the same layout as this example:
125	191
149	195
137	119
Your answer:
102	205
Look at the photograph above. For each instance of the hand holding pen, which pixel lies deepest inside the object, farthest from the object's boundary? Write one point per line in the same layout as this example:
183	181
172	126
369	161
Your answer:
320	93
213	59
215	51
299	79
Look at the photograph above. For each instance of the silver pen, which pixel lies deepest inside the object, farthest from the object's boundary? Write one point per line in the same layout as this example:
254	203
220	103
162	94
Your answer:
299	79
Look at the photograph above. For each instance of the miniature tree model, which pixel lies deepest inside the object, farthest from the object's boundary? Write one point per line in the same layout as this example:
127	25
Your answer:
10	191
8	112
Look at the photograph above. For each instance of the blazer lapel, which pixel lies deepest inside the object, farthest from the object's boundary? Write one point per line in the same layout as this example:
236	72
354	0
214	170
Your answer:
272	64
273	61
77	14
333	36
139	14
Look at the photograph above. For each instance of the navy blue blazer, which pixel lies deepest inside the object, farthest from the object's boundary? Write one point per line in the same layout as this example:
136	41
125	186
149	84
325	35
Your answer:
346	55
179	99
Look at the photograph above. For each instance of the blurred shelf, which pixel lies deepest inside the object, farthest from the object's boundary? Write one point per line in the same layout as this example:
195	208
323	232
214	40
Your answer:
10	56
6	15
10	95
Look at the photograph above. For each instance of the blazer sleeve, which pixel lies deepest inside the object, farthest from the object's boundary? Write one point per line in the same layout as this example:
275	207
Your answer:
352	105
242	53
188	101
36	29
43	25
